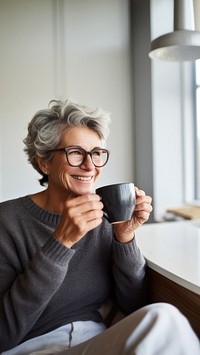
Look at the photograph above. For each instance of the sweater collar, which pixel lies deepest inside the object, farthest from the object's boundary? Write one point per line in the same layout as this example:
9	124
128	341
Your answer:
47	217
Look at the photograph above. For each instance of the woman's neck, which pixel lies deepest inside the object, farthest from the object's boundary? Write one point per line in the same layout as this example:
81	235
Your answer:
52	202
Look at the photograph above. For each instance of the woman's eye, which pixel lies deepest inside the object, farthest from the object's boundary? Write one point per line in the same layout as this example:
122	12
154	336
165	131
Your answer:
75	152
96	153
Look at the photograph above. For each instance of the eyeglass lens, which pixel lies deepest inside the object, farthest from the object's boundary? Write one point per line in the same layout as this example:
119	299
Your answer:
76	156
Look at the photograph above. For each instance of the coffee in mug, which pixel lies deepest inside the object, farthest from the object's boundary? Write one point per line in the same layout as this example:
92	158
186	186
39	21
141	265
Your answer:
118	200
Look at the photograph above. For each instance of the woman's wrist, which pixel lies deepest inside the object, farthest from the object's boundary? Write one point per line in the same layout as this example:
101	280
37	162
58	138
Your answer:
125	240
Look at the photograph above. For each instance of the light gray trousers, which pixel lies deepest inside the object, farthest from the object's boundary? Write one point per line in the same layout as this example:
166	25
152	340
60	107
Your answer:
158	329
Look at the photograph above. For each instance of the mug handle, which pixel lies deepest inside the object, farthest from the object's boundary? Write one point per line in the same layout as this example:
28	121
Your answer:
105	215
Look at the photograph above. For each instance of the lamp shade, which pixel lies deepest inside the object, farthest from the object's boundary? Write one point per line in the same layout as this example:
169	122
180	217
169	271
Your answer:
184	43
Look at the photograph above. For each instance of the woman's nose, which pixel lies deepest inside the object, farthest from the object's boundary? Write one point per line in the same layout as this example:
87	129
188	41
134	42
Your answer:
88	163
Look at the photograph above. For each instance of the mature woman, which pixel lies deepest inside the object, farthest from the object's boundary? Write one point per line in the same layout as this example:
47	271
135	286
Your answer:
60	260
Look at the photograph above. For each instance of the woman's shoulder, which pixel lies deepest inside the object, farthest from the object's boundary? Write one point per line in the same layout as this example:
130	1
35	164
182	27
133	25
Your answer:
9	207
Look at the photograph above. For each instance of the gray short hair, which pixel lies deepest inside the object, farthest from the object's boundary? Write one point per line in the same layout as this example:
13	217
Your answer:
46	127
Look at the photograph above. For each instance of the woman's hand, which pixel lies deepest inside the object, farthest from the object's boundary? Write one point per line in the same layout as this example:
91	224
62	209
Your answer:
124	232
80	215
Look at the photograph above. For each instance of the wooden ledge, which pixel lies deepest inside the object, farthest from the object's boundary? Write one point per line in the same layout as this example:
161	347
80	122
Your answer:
161	289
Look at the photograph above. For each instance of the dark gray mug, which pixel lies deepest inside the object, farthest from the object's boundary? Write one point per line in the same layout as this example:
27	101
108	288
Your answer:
118	200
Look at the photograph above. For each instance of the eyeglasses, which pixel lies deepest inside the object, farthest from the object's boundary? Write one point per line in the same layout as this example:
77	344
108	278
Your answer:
76	155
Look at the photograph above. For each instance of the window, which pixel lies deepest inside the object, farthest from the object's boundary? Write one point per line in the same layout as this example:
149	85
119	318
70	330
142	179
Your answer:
197	76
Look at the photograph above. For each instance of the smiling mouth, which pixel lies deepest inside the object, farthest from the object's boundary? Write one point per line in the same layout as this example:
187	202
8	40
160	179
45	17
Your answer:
82	178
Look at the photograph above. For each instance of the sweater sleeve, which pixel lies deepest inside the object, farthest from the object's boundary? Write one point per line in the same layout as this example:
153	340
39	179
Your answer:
129	270
24	296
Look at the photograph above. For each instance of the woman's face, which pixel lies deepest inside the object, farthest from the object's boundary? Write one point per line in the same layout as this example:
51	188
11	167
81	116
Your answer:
63	177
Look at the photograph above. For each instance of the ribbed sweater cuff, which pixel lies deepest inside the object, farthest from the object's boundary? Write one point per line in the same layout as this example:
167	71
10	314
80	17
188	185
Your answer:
127	250
57	252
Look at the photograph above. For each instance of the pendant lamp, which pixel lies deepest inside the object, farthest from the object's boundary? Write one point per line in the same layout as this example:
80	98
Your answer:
184	43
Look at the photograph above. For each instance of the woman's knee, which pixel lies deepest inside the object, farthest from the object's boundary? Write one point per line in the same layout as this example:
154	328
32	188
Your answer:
162	307
167	318
162	327
164	310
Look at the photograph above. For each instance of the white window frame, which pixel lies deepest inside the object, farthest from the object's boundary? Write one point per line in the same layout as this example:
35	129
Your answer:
197	129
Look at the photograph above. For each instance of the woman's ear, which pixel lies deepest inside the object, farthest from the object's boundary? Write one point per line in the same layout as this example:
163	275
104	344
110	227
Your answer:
43	164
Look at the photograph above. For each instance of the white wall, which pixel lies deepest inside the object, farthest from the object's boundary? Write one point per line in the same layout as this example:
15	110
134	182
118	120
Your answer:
59	49
27	84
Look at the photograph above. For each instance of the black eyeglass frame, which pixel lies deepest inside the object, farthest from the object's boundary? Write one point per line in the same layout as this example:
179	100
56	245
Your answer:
66	150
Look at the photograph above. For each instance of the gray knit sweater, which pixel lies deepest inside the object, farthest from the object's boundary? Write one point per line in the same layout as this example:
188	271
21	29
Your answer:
44	285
